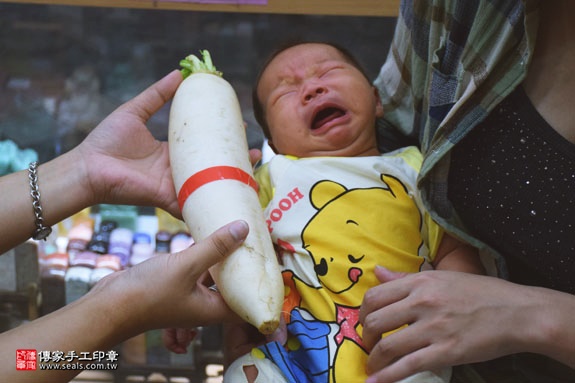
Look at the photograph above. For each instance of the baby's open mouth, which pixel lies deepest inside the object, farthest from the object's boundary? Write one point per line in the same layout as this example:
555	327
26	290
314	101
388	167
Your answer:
325	115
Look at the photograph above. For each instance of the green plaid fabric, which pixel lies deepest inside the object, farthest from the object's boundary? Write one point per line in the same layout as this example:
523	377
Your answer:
450	63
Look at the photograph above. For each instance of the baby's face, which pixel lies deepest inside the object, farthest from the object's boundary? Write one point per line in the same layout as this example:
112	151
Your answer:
318	104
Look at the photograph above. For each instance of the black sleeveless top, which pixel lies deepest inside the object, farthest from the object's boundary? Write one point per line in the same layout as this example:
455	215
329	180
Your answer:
512	182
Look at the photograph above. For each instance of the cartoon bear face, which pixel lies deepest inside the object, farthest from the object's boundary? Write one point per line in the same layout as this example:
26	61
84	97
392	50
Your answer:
355	230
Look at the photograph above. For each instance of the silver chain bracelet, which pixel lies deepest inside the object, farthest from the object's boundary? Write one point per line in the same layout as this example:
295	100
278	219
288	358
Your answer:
41	232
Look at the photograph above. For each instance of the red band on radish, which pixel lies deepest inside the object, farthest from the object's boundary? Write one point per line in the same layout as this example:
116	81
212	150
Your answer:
214	173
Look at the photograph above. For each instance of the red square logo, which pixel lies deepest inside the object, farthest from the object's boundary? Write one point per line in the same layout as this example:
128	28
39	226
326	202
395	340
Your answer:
26	360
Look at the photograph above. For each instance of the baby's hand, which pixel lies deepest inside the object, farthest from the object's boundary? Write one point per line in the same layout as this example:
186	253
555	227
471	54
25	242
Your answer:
177	340
280	335
255	156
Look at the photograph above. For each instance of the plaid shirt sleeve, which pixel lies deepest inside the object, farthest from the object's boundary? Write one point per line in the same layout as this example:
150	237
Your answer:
449	64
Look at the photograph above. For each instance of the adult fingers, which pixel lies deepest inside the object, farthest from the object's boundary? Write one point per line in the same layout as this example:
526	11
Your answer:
394	346
395	287
384	308
384	322
418	361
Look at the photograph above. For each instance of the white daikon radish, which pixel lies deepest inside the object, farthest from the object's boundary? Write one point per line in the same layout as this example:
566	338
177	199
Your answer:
213	177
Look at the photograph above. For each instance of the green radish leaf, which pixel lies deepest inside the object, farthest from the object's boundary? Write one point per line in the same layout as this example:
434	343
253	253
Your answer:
193	64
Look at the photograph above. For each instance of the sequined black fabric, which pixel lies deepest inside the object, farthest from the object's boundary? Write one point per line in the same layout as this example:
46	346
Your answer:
512	181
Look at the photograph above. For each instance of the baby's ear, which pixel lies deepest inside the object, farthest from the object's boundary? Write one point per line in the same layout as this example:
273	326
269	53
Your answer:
378	105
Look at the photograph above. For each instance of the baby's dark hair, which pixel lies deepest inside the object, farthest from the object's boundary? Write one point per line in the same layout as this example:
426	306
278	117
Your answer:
258	108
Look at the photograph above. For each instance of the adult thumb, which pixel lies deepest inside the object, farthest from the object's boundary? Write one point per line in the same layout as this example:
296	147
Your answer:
219	245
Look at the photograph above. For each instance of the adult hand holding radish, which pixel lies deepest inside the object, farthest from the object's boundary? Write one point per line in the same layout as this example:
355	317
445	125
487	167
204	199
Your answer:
119	162
107	315
213	177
